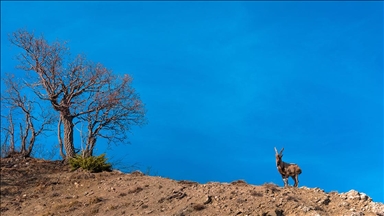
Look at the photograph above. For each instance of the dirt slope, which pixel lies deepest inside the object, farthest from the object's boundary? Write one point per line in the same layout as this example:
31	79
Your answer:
38	187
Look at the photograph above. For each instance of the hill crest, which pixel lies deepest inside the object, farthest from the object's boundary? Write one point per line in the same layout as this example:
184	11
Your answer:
39	187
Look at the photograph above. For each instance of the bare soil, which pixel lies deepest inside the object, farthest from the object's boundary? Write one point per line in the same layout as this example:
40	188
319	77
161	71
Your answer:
38	187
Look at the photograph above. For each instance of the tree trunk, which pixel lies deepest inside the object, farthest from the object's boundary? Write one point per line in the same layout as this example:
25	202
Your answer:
32	138
68	136
90	146
23	138
12	135
60	140
31	143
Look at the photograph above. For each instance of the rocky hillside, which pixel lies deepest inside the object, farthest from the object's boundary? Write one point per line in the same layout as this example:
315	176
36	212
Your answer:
38	187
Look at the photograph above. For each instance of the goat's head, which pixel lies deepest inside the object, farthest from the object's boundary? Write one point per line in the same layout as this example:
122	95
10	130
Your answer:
279	156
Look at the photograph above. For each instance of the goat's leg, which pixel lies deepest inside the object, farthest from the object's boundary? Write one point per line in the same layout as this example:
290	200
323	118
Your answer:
285	179
296	179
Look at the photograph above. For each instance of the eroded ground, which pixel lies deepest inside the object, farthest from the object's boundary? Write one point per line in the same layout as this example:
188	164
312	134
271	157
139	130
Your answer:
37	187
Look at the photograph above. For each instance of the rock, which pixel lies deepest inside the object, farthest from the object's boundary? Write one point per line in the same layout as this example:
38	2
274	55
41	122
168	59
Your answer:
355	195
365	197
352	194
357	214
344	204
279	212
208	200
306	208
316	189
148	212
377	208
325	201
137	173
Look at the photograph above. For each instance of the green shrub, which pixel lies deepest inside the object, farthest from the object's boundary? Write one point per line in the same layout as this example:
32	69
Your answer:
92	163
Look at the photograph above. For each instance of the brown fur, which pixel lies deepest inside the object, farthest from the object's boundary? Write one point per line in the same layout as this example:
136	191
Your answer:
287	169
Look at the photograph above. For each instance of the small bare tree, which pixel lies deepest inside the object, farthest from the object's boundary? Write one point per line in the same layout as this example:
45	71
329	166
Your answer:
70	86
117	107
8	133
33	123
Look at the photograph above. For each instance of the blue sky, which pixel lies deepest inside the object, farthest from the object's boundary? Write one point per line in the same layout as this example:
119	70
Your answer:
226	82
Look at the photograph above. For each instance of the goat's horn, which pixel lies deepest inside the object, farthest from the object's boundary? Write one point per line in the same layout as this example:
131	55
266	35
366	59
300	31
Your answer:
276	151
281	151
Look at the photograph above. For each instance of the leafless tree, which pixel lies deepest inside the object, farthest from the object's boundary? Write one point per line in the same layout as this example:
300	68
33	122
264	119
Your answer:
71	86
33	123
7	133
117	107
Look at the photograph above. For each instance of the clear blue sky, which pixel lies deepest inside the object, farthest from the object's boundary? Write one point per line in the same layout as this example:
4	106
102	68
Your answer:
226	82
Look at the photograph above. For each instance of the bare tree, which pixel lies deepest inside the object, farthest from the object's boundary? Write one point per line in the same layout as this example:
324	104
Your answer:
8	134
16	101
117	107
70	84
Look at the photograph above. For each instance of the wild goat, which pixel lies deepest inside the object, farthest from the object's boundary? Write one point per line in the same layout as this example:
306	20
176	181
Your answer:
287	169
